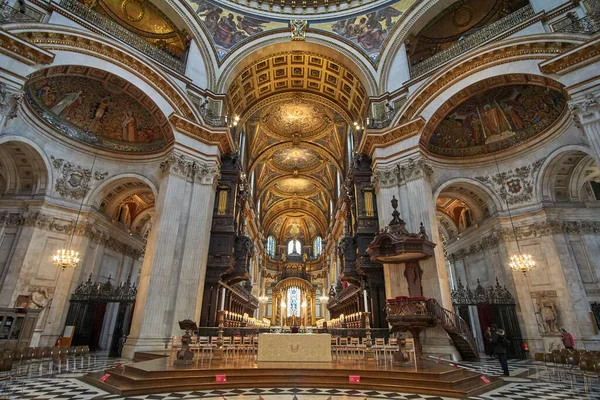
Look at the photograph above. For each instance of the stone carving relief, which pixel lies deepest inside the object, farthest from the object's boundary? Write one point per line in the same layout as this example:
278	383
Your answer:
74	180
40	297
516	185
546	312
9	102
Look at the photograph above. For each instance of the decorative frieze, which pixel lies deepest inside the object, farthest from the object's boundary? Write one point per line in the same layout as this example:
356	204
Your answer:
193	171
74	180
50	223
515	186
536	230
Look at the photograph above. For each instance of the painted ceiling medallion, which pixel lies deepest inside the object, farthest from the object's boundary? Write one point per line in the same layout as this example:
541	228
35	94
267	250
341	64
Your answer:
295	185
295	158
133	9
298	117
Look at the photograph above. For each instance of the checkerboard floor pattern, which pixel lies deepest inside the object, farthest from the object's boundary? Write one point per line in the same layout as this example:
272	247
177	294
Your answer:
66	386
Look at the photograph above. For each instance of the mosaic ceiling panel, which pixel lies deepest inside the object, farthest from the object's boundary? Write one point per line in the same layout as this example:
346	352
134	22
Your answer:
229	27
97	107
482	120
295	159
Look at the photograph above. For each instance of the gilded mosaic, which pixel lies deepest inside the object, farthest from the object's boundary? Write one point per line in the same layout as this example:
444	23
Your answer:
295	158
228	28
97	109
496	119
368	31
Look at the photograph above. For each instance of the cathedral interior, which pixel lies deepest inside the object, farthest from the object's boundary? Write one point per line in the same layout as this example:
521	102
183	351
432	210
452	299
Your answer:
295	194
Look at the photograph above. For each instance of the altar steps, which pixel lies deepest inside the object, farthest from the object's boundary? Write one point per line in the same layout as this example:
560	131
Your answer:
159	376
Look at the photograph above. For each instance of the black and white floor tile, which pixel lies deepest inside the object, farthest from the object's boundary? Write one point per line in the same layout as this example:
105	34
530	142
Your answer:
525	383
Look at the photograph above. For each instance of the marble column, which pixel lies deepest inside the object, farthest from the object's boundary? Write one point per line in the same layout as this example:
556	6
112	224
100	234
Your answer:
171	268
195	250
586	114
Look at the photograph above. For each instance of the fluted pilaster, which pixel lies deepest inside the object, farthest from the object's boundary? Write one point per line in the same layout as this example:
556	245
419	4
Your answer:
586	114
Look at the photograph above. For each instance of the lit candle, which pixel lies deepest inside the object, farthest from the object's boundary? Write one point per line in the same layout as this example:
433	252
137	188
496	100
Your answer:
222	299
365	299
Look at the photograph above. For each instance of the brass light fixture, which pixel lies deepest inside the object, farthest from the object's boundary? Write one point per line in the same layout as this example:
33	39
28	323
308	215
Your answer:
68	257
520	262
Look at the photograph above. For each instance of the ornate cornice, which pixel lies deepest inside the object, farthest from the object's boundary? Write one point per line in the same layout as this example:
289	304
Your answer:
22	50
220	139
190	170
48	222
535	230
57	38
74	180
373	139
585	110
572	60
515	186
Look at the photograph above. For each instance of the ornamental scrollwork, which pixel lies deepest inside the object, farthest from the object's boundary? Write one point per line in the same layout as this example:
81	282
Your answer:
74	180
585	110
515	186
402	173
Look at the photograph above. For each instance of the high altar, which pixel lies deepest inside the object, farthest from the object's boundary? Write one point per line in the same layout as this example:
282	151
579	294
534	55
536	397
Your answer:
294	302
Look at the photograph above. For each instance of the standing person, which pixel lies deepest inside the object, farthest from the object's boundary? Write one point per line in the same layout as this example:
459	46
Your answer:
494	328
487	339
500	347
567	339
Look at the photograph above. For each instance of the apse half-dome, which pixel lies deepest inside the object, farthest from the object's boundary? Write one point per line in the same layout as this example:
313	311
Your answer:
97	108
494	115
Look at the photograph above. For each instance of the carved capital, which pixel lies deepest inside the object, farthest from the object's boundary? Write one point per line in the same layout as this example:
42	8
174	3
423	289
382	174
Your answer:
585	110
9	101
415	169
193	171
385	177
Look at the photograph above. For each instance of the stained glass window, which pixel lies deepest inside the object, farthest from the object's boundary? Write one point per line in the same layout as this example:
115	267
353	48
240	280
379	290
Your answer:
294	247
318	246
293	301
271	246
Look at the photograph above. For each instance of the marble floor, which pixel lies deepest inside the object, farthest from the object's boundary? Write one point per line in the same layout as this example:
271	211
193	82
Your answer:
527	381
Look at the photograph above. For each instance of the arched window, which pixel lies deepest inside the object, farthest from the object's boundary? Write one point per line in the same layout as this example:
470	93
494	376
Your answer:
318	246
294	246
271	246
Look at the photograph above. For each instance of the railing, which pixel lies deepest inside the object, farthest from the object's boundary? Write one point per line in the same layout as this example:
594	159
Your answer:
212	120
10	14
382	122
478	38
113	29
588	25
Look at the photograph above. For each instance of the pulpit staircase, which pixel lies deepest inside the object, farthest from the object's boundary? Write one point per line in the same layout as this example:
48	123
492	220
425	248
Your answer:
417	313
457	329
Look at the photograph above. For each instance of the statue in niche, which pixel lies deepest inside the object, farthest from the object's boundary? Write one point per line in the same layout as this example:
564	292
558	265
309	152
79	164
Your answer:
129	126
547	310
39	299
65	102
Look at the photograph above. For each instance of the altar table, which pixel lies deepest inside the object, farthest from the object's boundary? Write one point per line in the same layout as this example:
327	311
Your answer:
294	347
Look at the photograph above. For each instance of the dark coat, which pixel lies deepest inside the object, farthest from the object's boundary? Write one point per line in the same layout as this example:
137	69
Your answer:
500	344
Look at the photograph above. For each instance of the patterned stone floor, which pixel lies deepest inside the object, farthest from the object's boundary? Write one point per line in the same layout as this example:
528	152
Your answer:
527	382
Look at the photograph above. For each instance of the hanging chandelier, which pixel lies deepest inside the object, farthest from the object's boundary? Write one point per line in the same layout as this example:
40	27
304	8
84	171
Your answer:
262	298
68	257
521	262
518	262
